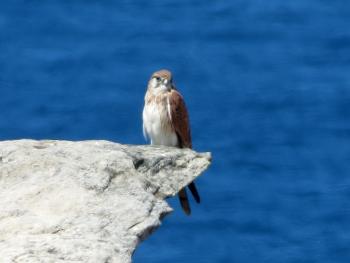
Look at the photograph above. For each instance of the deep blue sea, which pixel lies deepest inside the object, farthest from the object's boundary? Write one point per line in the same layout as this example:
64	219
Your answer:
267	85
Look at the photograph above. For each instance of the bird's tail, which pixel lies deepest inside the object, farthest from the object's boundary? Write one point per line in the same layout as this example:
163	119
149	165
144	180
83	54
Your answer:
184	199
194	192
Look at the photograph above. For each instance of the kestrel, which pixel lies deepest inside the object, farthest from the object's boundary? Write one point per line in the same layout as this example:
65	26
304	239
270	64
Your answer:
166	121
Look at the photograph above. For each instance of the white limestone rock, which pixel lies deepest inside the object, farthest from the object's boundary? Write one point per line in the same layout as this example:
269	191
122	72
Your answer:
89	201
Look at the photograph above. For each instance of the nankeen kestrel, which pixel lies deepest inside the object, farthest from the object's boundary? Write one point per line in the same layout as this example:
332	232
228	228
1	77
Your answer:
166	122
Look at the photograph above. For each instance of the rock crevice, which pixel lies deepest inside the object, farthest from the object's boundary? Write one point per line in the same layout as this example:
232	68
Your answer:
88	201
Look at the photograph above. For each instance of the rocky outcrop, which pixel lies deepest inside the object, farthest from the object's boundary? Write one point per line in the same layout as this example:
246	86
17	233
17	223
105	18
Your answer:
89	201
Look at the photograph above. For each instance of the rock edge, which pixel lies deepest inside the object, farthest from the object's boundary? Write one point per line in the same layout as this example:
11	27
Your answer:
87	201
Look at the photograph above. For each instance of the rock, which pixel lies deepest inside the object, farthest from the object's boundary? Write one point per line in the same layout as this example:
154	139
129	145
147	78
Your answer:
89	201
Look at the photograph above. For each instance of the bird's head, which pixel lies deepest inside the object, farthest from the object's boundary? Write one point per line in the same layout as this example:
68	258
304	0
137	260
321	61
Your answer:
161	81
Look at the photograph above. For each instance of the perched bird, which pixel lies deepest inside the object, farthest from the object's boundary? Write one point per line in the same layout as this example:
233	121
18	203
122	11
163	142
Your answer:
166	121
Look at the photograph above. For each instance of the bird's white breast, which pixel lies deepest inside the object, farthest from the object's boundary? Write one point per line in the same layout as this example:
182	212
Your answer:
157	126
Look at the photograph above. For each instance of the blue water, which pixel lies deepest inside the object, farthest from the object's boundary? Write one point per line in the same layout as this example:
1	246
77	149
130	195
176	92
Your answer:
267	84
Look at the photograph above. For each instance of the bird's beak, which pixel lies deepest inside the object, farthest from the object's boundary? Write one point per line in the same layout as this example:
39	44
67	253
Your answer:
167	84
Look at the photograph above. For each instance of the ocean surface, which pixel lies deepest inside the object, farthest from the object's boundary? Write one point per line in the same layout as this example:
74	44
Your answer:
267	85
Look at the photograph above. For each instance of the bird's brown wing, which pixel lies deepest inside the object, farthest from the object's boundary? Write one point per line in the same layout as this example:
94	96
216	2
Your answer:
181	125
179	119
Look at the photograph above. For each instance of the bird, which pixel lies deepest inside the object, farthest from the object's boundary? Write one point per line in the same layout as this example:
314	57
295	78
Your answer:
166	122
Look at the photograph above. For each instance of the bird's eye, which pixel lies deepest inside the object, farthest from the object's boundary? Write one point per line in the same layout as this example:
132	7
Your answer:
157	78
